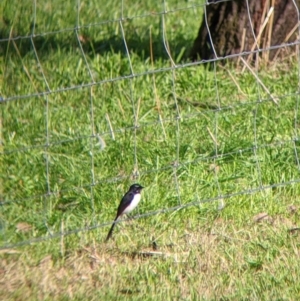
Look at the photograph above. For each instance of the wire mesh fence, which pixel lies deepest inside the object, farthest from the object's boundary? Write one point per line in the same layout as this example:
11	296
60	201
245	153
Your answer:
98	95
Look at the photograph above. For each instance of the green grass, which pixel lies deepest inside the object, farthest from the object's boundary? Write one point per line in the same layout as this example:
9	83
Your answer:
70	149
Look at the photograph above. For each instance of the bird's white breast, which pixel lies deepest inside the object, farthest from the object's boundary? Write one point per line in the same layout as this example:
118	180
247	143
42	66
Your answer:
133	204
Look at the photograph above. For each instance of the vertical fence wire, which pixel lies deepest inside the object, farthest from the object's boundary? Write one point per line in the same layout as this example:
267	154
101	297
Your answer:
175	120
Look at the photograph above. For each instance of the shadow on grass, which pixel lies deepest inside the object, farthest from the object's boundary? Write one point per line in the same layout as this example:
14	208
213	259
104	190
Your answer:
143	46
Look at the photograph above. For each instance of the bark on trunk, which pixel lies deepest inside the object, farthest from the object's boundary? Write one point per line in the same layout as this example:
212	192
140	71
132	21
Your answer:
235	26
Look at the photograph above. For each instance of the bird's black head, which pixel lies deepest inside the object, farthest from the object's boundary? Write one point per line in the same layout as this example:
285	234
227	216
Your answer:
136	188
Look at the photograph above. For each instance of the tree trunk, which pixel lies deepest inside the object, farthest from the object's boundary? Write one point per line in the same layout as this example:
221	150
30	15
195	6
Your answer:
227	30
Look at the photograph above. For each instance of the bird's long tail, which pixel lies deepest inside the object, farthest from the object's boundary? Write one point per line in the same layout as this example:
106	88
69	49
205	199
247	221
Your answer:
110	231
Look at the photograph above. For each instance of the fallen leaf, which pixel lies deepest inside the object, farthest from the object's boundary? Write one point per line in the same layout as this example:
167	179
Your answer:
83	39
292	208
214	168
23	227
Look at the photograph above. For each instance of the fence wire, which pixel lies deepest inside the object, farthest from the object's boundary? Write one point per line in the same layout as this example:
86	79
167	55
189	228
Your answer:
53	146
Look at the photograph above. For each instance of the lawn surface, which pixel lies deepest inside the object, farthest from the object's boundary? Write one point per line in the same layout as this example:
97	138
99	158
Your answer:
85	114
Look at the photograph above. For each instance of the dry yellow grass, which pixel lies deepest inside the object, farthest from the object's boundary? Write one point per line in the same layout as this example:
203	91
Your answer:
215	261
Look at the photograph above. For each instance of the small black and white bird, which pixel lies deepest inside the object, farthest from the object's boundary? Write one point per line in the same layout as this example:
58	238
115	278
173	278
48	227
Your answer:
129	201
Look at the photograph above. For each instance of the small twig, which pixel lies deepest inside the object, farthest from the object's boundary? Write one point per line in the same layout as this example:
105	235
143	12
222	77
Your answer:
287	38
110	126
242	44
121	107
259	35
270	24
234	80
261	83
266	7
212	136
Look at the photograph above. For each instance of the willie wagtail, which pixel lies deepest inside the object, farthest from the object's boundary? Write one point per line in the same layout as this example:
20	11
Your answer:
129	201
